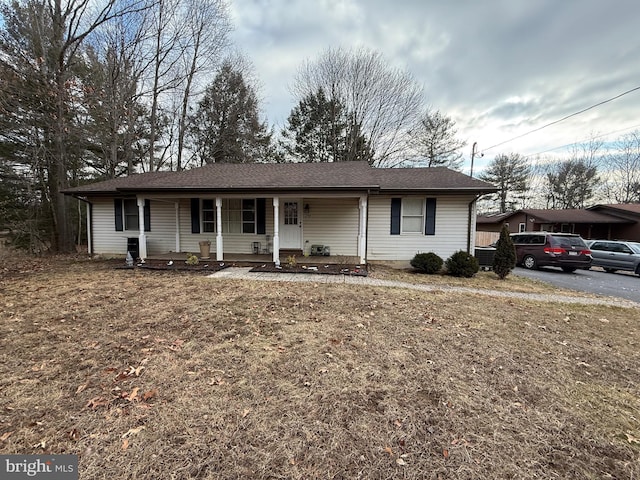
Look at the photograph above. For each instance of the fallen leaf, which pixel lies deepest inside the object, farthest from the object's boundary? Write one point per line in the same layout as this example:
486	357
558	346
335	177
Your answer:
632	439
246	412
125	444
445	453
400	461
132	431
388	450
134	393
81	388
6	435
148	395
96	402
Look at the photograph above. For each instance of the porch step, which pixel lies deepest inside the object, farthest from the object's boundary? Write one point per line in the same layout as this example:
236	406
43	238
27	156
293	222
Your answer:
288	252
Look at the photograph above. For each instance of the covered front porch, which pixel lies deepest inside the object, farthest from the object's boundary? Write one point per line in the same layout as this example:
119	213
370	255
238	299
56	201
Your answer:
313	229
258	259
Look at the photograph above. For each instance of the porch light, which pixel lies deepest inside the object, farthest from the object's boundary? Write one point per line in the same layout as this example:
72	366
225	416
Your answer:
306	209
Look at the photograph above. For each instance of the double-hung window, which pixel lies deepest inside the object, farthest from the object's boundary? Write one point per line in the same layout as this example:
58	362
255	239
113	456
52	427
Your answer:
126	214
412	215
208	216
130	210
239	215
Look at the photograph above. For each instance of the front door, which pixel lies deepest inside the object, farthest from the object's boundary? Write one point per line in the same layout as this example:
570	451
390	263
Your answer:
290	225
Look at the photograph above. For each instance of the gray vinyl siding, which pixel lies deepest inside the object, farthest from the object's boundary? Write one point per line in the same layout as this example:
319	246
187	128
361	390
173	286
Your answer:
450	233
332	222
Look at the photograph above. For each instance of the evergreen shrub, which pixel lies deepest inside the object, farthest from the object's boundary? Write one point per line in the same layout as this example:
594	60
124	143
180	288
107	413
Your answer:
428	262
462	264
505	258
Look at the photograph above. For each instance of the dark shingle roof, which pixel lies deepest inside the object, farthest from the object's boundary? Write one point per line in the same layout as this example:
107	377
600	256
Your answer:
569	216
290	176
554	216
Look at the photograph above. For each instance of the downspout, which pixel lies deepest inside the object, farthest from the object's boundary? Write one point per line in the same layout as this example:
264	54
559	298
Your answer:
470	219
89	223
366	244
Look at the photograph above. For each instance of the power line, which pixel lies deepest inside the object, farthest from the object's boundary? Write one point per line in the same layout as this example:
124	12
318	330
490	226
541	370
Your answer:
581	141
564	118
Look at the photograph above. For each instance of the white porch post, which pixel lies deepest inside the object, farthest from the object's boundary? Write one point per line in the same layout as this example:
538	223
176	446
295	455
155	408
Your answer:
177	208
142	238
362	233
276	229
219	255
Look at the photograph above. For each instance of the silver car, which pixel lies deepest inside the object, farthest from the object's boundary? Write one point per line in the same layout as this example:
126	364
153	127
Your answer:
615	255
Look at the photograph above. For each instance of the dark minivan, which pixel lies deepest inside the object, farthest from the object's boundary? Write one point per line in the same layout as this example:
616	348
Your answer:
546	249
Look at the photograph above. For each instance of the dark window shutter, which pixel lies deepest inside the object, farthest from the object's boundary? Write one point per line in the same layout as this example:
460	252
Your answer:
117	208
147	215
261	216
195	215
396	206
430	220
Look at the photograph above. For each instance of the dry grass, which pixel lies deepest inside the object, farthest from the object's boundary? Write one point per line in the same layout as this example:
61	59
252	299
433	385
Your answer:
173	375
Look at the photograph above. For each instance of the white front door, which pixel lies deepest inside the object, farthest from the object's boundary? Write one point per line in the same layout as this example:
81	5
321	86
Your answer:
290	225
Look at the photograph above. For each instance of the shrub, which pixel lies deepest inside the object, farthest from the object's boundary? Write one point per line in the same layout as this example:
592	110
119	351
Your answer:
505	257
427	262
462	264
192	259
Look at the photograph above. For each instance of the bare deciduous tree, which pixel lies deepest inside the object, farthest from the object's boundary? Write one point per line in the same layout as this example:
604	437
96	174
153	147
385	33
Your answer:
384	101
206	39
40	45
623	170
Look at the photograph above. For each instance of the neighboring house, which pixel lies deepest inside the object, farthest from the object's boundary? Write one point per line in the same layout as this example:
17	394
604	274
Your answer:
354	209
630	230
587	223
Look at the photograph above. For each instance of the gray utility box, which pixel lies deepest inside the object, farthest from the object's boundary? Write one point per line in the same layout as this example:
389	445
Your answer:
320	250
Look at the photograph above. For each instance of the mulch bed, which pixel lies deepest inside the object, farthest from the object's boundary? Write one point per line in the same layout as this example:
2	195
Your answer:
176	266
323	269
215	266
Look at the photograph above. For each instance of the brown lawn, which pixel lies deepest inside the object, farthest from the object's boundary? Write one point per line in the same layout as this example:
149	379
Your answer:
150	375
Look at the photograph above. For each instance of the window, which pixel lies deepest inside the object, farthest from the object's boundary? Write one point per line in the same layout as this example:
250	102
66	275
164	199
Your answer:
412	215
208	216
290	213
130	208
522	227
239	215
126	214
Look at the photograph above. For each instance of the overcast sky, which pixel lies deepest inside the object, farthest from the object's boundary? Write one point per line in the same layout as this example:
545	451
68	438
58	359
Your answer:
499	68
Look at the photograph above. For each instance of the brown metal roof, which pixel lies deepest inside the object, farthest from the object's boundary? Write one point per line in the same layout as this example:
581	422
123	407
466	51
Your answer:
289	176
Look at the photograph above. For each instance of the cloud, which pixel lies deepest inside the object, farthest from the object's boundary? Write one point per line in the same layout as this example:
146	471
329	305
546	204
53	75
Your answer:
498	67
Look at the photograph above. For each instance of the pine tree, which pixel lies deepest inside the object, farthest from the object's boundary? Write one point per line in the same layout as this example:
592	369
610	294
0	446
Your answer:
319	129
226	127
505	258
510	173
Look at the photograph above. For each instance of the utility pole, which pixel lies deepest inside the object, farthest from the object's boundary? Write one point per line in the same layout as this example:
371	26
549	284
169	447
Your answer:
474	151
